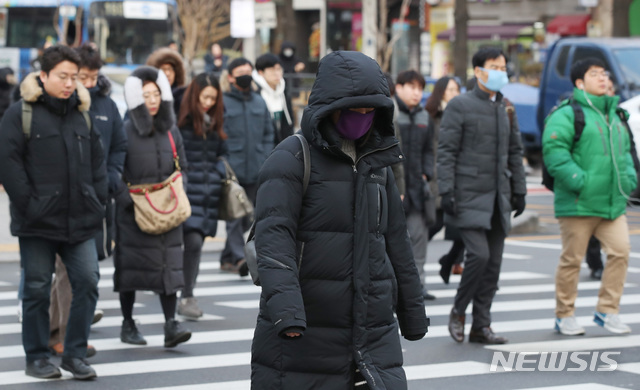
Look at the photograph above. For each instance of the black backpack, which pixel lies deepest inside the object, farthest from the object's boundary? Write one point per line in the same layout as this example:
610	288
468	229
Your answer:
578	125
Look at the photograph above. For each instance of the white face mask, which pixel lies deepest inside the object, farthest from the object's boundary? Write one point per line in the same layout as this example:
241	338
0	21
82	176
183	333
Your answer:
287	52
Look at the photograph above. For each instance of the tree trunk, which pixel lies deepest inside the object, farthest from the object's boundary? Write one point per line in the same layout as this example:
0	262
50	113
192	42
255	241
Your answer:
621	18
287	28
461	17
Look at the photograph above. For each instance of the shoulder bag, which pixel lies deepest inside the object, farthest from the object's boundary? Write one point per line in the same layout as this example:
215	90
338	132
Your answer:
162	206
234	202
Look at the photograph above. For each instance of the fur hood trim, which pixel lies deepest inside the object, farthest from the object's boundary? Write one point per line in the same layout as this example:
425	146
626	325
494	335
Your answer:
30	91
168	56
142	120
104	85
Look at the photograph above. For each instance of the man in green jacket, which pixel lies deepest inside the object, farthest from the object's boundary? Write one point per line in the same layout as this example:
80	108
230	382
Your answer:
594	176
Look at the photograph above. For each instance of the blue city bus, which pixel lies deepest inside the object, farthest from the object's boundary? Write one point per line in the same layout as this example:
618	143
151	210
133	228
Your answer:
125	31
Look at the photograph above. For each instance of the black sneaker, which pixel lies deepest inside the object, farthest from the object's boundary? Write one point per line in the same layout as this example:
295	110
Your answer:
174	334
43	369
130	334
80	368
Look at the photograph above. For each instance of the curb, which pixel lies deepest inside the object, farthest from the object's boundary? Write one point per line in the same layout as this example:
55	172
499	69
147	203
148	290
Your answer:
526	223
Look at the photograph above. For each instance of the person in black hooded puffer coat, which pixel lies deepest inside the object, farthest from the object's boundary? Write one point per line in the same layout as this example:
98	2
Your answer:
335	263
144	261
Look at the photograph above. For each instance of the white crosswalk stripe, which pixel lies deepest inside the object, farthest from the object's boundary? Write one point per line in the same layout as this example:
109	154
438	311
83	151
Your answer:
218	355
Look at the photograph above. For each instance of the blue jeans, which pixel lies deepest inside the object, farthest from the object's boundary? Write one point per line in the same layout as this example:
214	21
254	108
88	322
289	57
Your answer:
38	257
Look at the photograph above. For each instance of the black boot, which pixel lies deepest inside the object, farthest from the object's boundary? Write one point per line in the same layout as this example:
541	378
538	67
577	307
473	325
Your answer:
130	334
175	334
446	263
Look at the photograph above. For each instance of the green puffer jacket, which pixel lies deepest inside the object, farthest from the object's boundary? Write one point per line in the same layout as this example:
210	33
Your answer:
587	179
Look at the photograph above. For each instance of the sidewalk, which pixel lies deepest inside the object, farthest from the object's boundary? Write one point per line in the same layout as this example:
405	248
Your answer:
10	252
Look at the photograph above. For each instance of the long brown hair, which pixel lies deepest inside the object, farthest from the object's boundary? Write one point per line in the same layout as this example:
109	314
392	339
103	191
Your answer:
190	107
434	100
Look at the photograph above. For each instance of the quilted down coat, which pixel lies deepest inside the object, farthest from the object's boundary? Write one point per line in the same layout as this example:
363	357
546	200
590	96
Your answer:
337	263
205	175
144	261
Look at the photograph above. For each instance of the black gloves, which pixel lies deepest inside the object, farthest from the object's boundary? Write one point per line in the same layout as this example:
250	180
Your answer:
448	204
517	204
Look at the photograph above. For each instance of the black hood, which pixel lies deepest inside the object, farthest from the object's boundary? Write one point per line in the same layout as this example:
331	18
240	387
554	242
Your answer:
348	79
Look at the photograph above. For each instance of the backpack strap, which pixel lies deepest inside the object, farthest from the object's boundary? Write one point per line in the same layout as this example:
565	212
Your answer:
306	157
27	115
307	162
578	120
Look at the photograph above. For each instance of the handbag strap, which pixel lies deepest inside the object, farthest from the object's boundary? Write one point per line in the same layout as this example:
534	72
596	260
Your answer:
306	159
176	159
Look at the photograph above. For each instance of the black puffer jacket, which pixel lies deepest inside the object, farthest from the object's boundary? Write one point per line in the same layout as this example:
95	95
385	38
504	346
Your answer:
144	261
205	179
57	179
417	146
106	118
335	264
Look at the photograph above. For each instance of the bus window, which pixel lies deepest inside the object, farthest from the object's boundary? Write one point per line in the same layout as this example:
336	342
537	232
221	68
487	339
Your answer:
29	27
127	40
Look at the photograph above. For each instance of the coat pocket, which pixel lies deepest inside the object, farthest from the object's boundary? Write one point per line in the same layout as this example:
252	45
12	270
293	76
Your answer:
43	204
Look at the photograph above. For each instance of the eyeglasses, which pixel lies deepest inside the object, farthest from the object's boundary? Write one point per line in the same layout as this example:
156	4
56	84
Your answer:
599	73
149	95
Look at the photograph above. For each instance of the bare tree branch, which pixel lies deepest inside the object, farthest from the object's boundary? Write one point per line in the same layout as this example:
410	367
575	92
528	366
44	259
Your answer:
385	48
203	21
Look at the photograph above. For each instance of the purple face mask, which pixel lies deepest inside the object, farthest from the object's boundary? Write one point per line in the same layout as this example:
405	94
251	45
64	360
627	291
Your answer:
353	125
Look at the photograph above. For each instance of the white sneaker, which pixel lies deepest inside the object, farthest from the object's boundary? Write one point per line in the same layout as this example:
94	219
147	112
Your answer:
611	322
569	326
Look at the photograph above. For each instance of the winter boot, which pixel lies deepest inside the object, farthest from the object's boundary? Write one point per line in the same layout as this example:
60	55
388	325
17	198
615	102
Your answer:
130	334
175	334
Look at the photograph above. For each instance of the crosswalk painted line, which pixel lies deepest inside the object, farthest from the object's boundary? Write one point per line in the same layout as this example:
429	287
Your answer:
572	343
102	305
633	368
113	321
581	386
496	307
221	336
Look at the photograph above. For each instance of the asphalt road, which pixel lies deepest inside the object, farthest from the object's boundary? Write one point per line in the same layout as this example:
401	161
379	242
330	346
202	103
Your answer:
218	355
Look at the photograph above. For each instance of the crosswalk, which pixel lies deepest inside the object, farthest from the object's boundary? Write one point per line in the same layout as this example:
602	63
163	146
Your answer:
218	355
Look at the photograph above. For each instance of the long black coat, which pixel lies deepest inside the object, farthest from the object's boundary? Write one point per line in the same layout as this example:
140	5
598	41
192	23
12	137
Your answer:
205	175
479	160
56	179
145	261
336	264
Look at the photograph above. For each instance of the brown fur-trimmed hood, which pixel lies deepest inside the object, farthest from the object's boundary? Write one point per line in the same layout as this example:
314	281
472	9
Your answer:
168	56
30	91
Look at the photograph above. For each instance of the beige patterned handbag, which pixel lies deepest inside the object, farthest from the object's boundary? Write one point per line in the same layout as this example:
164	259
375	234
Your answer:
163	206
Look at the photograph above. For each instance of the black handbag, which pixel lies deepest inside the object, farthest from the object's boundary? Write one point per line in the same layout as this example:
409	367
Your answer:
429	205
250	254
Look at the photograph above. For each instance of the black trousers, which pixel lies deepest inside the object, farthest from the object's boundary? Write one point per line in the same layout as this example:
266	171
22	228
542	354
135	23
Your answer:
192	252
479	281
594	258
